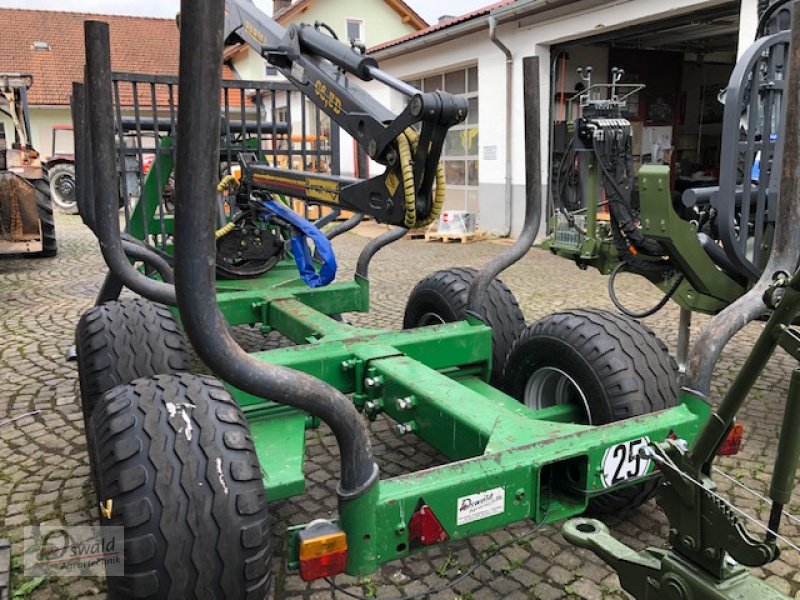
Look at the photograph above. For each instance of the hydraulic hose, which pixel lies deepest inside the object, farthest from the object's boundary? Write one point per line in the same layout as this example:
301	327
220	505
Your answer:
105	195
407	143
196	166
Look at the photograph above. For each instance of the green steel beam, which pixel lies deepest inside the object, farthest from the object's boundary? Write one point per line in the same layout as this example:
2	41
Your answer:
546	477
707	287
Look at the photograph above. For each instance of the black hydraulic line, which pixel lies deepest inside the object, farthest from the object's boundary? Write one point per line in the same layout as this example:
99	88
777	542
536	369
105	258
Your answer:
645	313
344	226
372	248
533	185
106	205
196	174
136	250
785	247
617	203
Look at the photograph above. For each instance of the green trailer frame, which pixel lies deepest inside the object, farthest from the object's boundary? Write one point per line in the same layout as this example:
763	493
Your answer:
508	462
432	381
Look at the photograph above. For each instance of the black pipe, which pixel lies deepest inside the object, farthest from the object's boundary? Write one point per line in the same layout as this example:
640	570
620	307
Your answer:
110	290
136	250
372	248
101	128
83	178
344	226
533	189
195	187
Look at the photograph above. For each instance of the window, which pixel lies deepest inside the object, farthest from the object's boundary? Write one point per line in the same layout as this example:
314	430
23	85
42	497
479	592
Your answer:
355	30
272	71
460	152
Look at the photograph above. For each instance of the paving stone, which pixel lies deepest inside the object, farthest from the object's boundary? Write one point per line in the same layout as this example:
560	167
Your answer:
43	463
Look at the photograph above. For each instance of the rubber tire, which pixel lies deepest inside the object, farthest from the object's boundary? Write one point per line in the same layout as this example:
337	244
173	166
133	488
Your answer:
445	293
66	170
621	366
124	340
44	205
192	506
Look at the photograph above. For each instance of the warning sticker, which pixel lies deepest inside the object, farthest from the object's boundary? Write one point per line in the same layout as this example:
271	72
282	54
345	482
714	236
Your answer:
392	181
480	506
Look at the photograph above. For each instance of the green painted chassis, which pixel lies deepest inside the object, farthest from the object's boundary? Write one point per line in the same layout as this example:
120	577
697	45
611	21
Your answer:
547	464
705	288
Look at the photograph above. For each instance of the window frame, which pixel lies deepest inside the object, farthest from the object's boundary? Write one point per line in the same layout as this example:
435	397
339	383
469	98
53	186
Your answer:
363	26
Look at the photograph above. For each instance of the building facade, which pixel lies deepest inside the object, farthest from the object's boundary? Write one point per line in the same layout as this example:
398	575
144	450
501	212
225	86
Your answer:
682	51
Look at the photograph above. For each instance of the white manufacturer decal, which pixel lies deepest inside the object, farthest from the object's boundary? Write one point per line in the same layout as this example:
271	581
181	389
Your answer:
480	506
298	72
622	462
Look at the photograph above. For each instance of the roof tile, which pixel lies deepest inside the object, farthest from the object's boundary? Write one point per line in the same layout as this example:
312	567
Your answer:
138	45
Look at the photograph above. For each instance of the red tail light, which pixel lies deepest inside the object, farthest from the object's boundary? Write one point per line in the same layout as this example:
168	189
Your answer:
733	442
322	549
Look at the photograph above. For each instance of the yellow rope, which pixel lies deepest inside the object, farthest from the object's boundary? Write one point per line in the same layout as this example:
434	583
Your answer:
407	143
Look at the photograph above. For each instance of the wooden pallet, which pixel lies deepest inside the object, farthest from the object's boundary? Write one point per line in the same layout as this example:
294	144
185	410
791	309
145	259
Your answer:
416	234
447	238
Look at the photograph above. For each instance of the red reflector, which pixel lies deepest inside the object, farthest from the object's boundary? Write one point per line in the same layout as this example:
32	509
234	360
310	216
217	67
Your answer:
733	442
425	529
327	565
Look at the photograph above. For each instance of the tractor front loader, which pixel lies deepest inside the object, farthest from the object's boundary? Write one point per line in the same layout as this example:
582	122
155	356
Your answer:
26	212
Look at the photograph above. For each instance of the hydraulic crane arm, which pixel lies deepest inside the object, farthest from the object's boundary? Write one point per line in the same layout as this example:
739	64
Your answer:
317	65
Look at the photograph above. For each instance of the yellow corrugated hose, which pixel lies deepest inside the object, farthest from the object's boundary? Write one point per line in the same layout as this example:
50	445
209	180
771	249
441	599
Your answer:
224	230
227	182
407	143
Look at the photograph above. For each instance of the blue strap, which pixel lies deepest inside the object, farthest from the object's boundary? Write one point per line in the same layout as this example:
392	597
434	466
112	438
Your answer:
300	249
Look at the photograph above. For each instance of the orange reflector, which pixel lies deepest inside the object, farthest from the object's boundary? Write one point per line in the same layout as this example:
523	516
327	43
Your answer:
733	442
322	549
322	545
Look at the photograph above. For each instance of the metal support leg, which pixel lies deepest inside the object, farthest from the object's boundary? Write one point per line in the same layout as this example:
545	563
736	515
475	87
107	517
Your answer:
786	459
110	290
684	333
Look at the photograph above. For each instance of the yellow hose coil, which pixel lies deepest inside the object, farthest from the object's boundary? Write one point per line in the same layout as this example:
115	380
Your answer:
224	230
407	143
229	181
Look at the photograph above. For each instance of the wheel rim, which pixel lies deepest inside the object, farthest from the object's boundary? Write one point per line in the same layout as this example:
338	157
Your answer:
63	188
550	386
430	318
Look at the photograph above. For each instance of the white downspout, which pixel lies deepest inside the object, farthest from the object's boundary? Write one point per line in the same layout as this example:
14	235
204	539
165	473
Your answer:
509	98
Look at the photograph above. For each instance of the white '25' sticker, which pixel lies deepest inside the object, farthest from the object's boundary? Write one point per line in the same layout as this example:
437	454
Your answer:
622	462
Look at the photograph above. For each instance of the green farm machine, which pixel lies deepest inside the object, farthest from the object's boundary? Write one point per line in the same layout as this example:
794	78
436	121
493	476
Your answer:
703	247
26	211
538	423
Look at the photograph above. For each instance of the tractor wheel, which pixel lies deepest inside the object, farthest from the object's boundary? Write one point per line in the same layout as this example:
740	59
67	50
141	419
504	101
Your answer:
442	298
45	206
124	340
177	469
62	188
609	366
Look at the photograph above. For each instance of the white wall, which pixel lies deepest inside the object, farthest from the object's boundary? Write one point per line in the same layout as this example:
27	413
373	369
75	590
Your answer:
42	121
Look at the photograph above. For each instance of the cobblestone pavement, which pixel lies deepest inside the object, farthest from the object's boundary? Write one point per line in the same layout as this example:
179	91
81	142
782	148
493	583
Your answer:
43	466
